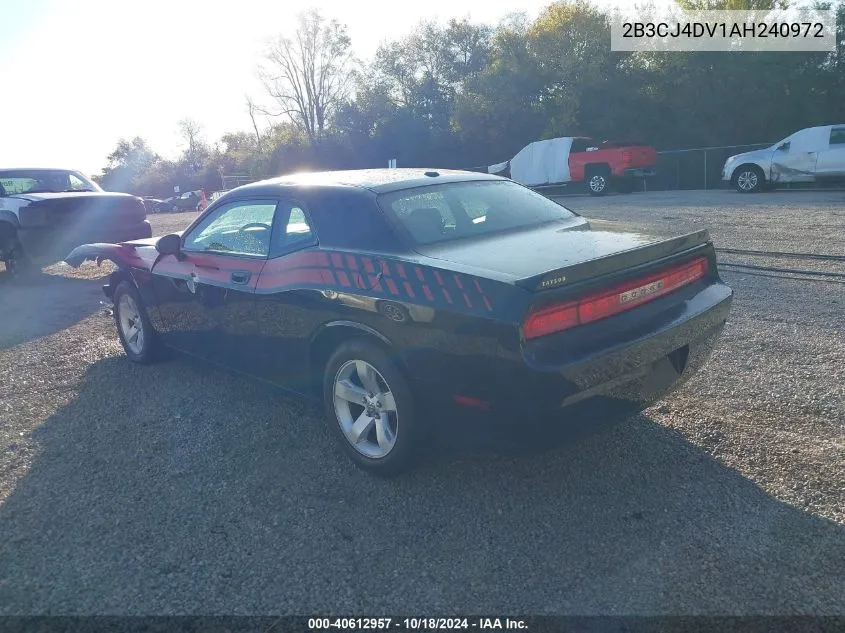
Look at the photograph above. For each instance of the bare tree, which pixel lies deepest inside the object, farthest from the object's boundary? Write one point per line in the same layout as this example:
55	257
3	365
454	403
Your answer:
191	132
310	74
253	109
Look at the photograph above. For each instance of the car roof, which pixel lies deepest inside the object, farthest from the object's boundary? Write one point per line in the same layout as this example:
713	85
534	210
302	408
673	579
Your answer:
375	180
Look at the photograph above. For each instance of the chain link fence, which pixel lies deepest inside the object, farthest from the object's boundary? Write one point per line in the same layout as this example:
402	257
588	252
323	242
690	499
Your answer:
695	168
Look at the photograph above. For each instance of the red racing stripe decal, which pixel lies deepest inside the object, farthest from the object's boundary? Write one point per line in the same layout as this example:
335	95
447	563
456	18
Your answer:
409	289
391	285
328	277
375	284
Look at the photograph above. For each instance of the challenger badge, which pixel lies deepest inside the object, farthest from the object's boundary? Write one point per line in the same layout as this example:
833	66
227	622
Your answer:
642	291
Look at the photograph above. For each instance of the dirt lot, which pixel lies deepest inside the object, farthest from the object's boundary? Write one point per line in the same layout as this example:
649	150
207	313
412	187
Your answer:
180	488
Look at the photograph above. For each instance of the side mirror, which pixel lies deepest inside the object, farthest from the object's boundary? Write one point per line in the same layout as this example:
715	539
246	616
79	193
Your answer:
169	245
783	147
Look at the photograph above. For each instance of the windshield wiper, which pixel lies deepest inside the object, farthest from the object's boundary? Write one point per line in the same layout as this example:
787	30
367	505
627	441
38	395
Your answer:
72	190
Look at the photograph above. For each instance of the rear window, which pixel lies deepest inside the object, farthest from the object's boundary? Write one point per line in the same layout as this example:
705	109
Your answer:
461	210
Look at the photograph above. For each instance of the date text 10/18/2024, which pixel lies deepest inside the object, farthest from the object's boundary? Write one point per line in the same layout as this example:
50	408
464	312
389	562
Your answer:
417	624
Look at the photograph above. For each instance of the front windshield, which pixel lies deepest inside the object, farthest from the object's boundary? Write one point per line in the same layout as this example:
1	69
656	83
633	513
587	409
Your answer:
18	181
460	210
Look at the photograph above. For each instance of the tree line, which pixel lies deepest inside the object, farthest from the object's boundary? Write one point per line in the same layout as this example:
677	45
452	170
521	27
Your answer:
461	94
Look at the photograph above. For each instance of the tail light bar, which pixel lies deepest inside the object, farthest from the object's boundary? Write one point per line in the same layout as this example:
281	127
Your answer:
626	157
606	303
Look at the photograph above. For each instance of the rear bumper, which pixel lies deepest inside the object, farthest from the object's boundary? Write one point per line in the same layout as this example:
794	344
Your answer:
640	172
636	369
60	240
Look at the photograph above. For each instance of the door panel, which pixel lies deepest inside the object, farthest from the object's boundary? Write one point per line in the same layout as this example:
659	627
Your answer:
207	297
794	165
797	161
831	161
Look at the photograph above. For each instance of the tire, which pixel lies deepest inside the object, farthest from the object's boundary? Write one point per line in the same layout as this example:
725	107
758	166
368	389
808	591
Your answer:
598	180
748	179
128	313
18	263
389	436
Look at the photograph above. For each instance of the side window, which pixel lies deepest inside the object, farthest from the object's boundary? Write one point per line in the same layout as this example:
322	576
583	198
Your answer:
837	136
297	230
241	228
76	184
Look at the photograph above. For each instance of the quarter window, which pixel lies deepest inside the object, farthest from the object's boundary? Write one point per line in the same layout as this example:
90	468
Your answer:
240	228
837	136
76	183
297	232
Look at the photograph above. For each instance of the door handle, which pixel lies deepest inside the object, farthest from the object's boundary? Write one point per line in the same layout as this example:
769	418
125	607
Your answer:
206	267
240	276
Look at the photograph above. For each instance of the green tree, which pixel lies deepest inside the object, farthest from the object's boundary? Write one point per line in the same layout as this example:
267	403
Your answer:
128	161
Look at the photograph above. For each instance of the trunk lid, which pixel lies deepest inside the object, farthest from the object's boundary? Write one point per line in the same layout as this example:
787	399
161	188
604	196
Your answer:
561	255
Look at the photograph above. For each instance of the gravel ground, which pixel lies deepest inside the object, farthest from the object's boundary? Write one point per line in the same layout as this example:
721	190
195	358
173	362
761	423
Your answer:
180	488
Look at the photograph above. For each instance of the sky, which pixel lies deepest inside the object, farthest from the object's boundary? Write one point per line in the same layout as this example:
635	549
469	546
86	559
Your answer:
78	75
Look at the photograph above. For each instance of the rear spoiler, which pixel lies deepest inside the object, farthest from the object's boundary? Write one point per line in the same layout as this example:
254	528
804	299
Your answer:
630	258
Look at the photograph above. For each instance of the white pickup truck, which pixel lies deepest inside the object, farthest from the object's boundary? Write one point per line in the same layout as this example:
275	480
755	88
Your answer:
814	154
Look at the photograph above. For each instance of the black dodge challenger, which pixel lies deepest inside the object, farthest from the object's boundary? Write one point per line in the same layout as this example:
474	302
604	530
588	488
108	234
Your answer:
392	293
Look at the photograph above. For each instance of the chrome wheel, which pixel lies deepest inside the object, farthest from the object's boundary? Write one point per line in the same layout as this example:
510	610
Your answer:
598	183
747	180
131	325
365	409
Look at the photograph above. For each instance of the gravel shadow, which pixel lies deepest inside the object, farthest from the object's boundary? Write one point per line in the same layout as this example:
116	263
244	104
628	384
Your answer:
181	489
43	304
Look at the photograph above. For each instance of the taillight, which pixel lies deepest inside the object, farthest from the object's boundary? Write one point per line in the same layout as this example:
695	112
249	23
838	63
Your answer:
606	303
626	157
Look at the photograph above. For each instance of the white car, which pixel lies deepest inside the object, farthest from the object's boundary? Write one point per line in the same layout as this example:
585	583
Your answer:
810	155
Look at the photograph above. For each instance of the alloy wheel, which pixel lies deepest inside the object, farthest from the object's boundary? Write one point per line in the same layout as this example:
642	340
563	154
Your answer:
598	183
365	409
747	180
131	325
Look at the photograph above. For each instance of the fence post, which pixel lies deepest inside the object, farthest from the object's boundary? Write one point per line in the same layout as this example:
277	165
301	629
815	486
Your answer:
705	170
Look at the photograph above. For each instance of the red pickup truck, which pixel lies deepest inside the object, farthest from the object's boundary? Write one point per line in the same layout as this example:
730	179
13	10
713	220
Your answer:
601	166
610	163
